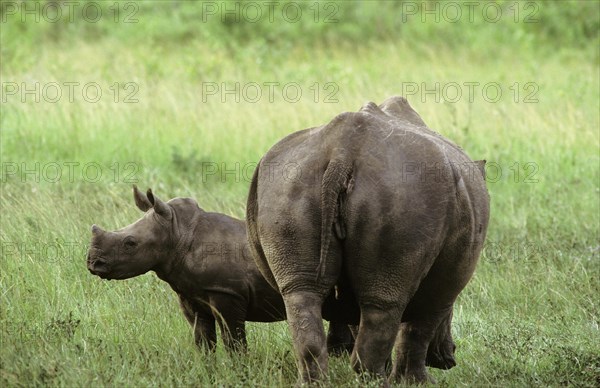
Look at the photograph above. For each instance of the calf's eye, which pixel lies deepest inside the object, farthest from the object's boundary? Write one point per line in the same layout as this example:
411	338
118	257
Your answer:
129	243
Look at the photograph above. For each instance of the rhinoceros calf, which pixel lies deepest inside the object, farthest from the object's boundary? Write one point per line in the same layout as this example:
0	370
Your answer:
385	208
205	259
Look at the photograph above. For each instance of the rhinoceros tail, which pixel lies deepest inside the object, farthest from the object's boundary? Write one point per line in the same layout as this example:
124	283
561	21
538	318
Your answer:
337	183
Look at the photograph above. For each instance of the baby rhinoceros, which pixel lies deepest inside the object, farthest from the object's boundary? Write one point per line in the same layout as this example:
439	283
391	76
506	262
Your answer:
205	259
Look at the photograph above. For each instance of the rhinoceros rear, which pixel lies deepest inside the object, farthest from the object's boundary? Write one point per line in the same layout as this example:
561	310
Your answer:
391	210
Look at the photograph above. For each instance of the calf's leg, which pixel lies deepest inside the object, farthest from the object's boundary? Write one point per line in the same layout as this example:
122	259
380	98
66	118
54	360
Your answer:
203	323
230	313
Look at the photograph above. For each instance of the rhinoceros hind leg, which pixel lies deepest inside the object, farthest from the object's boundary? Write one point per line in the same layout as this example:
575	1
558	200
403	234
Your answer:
375	340
205	335
303	311
229	314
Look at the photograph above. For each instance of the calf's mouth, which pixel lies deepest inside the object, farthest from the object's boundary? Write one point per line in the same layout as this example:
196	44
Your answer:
98	266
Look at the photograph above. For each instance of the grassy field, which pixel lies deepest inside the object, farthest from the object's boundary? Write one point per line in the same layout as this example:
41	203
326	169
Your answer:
169	74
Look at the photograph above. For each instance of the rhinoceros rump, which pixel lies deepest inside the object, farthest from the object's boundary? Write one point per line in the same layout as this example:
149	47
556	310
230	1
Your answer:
386	209
205	259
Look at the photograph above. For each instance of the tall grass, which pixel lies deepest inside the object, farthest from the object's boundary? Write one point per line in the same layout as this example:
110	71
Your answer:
528	317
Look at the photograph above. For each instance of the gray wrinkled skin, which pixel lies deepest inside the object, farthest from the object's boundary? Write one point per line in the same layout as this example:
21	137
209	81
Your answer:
205	259
382	208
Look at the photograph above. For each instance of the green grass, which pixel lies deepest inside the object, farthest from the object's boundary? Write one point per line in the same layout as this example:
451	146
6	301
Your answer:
529	316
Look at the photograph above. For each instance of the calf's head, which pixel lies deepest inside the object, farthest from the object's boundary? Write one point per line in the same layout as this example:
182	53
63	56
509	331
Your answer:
137	248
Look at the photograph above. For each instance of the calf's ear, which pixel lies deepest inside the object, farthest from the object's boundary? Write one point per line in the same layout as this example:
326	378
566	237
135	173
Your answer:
96	230
141	201
161	208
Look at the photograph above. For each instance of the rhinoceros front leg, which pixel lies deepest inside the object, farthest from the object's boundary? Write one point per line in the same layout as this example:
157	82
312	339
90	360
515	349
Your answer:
425	336
422	336
440	353
411	351
205	334
340	338
303	311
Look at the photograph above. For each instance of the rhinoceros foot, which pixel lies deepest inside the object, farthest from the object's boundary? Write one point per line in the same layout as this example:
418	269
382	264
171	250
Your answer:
441	355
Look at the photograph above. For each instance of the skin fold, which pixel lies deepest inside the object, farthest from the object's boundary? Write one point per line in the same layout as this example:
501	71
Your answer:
385	211
205	259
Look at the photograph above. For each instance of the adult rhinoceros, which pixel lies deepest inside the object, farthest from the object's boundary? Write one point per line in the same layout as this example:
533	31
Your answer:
375	204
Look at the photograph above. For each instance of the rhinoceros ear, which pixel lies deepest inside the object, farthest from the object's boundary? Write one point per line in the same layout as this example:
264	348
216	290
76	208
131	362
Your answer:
481	166
398	106
141	201
161	208
96	230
